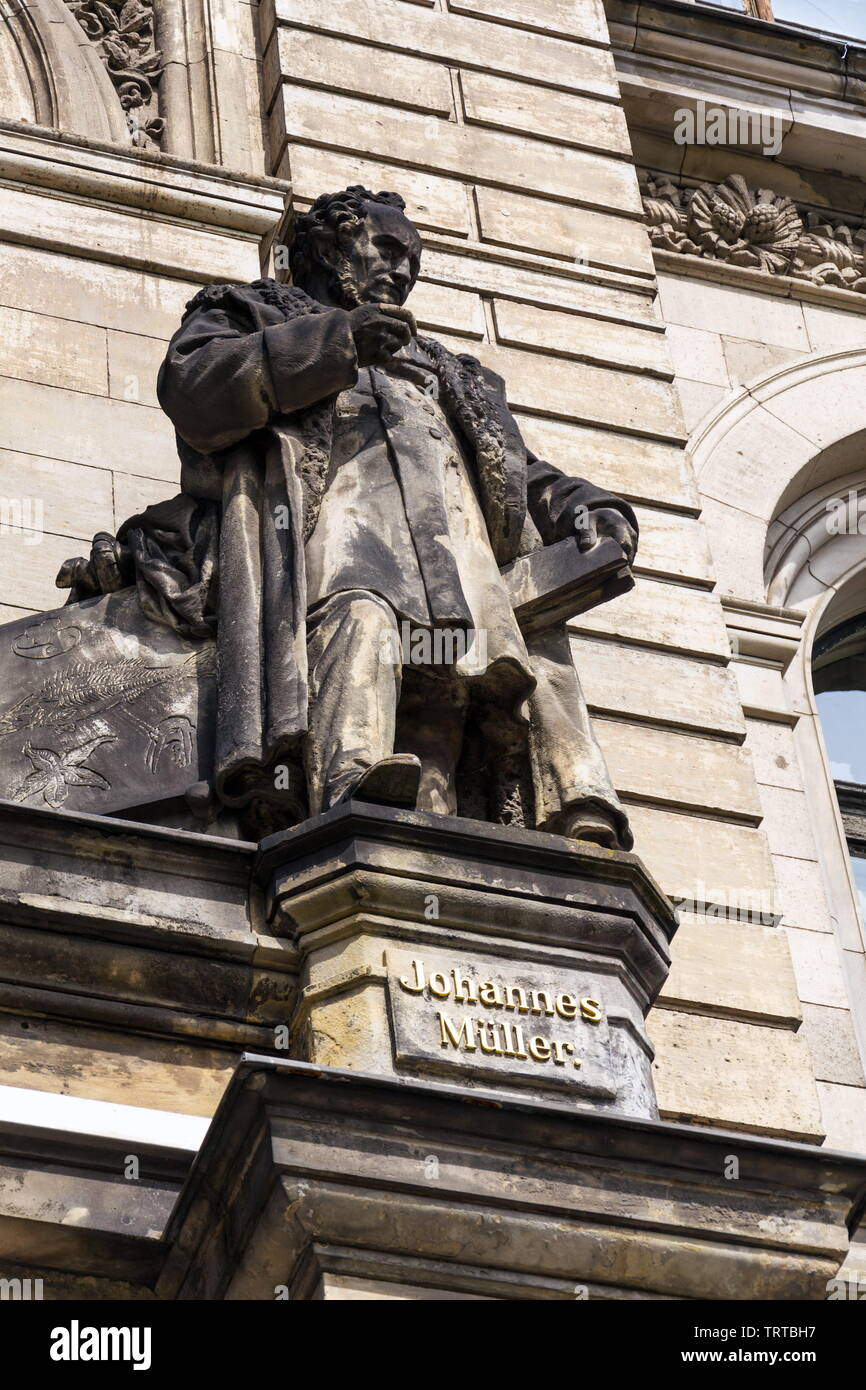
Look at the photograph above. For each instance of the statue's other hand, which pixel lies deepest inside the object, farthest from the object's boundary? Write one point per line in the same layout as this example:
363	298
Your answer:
380	330
593	524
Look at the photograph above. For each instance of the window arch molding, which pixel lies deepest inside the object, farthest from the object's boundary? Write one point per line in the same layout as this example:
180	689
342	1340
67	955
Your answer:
770	462
69	89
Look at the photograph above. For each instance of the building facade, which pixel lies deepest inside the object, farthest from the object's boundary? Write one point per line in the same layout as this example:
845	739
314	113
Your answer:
650	219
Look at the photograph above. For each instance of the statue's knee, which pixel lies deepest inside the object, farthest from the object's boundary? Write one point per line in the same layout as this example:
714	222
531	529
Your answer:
370	612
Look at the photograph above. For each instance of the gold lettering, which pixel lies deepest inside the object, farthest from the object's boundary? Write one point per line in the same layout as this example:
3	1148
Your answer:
464	989
536	995
559	1050
513	1039
566	1006
519	1048
439	985
482	1025
590	1009
420	982
515	991
488	993
449	1035
539	1049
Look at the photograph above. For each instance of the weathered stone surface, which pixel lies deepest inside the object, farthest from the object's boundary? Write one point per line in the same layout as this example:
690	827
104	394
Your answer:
432	202
549	1030
843	1109
56	423
429	895
701	774
63	499
583	392
53	351
643	469
564	117
302	115
740	970
339	65
704	859
131	972
101	709
552	16
736	1075
558	582
581	337
100	1064
453	38
734	311
669	616
673	689
605	1202
832	1044
578	233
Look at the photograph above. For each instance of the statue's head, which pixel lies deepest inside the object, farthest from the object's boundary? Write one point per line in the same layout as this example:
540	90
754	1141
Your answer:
356	247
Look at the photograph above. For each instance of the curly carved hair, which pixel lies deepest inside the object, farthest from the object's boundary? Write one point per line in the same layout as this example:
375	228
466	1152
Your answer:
332	213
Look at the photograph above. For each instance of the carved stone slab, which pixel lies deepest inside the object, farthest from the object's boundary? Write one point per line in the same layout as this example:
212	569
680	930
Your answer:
101	709
461	1013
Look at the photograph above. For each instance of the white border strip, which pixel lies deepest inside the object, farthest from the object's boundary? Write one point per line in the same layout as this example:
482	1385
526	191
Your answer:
101	1118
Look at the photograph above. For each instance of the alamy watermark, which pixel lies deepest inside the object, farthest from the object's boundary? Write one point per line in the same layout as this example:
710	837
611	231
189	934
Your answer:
732	904
846	516
438	646
723	125
23	516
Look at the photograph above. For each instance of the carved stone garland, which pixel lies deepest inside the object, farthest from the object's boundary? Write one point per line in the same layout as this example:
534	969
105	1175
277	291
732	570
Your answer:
123	33
760	229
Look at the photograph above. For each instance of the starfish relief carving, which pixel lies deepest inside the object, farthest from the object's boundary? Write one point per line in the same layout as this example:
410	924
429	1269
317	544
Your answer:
54	773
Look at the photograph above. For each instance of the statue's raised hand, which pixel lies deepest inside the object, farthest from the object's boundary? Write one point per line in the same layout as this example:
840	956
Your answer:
380	330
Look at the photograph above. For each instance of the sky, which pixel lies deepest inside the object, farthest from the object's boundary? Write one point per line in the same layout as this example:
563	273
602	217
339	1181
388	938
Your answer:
843	723
846	17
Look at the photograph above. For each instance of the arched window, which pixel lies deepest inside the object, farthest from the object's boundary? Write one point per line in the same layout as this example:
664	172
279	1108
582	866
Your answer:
839	679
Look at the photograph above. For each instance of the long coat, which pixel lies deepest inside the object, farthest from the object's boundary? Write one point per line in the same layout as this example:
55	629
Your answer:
250	382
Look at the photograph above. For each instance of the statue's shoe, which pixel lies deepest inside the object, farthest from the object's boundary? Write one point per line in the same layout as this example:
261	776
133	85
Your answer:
585	823
390	782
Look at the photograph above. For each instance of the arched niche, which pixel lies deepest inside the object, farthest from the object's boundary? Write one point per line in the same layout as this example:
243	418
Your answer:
779	466
51	75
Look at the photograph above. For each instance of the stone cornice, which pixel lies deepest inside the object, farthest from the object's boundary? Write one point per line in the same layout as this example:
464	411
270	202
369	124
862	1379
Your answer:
303	1158
737	44
140	179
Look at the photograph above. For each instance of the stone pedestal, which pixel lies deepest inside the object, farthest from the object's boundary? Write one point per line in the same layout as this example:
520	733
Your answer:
435	947
319	1183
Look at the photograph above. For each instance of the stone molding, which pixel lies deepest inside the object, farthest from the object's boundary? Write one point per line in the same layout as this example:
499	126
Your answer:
75	952
739	45
70	88
302	1163
754	229
355	887
187	218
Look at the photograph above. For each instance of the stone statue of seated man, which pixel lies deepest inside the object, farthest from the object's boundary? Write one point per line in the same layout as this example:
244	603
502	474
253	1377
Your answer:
351	493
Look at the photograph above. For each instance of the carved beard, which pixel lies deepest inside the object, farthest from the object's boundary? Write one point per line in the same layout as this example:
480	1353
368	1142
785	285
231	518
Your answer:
347	285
